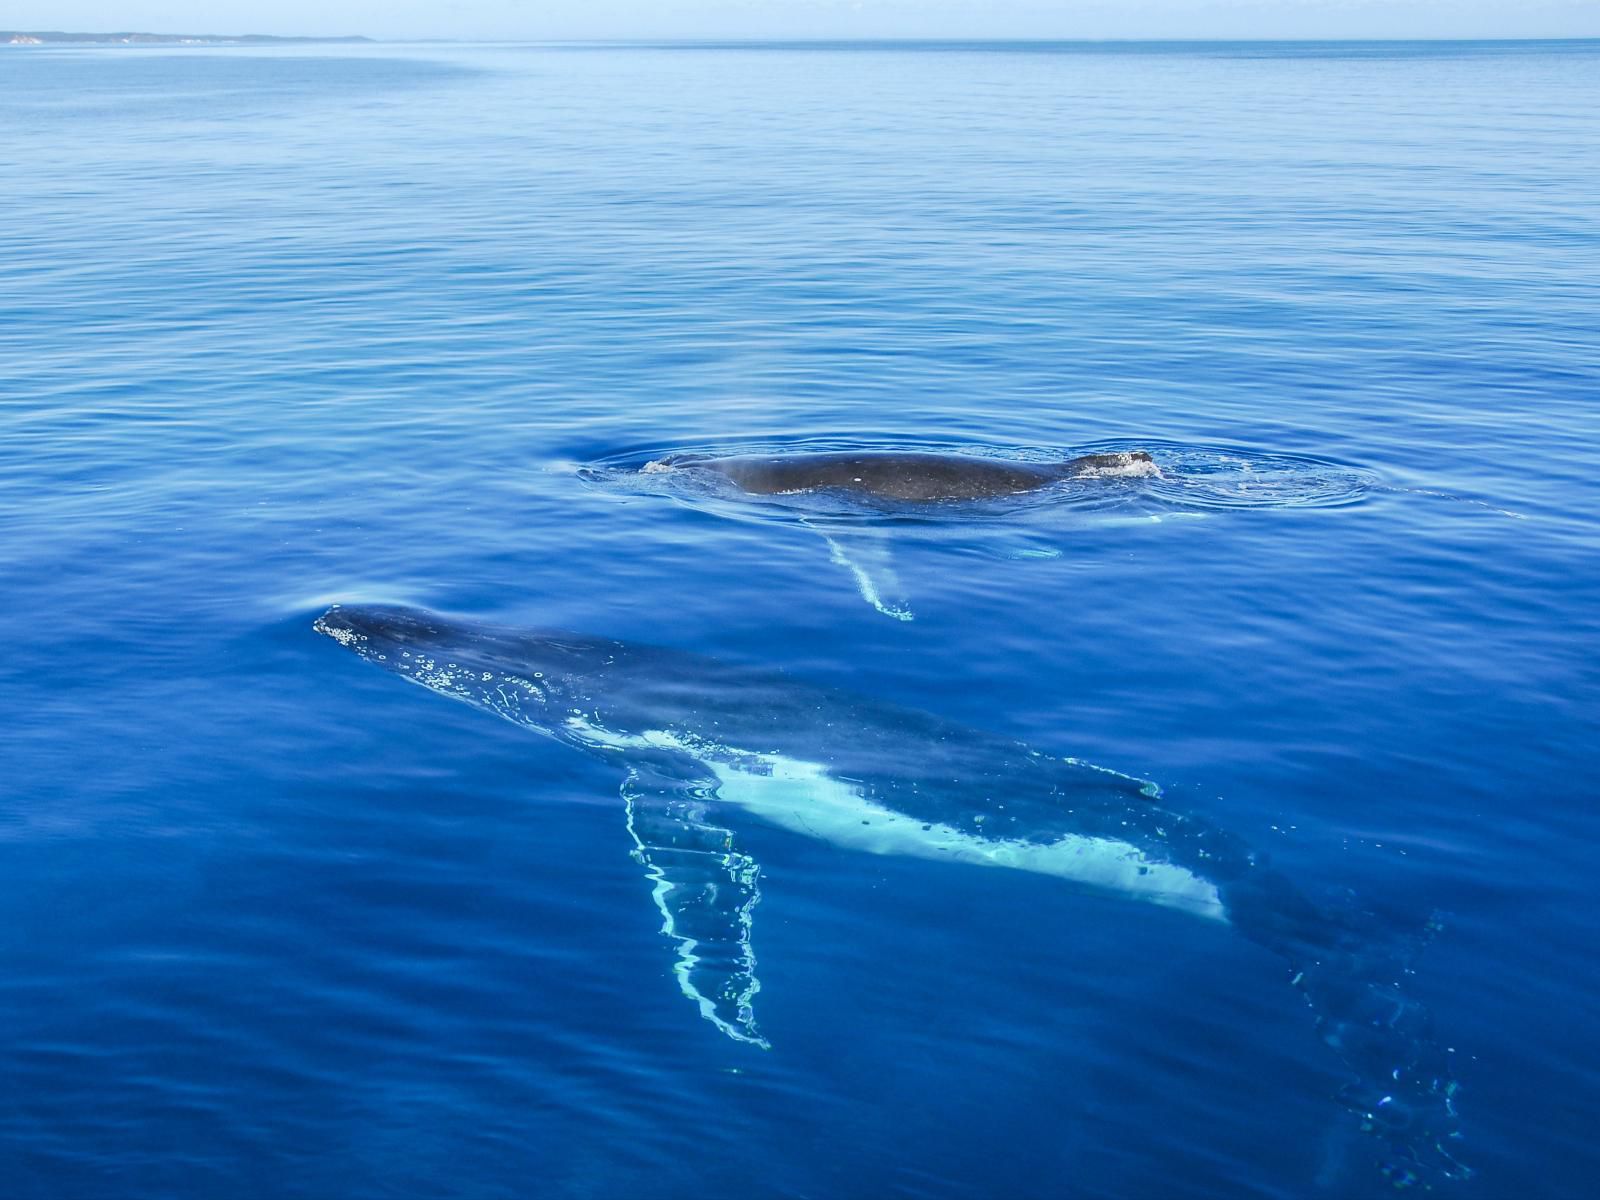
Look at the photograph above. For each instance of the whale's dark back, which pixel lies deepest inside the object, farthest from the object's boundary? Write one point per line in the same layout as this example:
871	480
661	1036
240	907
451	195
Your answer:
914	476
891	476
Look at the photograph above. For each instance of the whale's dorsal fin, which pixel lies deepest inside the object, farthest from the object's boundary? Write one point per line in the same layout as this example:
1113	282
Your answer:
706	891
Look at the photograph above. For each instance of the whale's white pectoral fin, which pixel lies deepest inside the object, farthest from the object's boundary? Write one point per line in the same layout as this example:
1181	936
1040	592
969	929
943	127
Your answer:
865	553
706	891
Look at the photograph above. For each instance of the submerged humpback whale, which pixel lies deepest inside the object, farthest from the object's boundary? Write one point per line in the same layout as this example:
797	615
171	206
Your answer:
703	744
906	476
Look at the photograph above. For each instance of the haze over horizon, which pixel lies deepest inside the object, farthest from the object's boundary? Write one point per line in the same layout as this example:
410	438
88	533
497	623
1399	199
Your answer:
511	20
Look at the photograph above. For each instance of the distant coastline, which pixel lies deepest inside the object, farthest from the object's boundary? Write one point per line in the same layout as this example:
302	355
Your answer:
56	38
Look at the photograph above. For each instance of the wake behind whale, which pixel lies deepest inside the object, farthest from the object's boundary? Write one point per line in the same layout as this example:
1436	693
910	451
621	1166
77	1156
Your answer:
704	746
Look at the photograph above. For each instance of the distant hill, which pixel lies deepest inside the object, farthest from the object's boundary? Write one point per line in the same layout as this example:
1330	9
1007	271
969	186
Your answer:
54	38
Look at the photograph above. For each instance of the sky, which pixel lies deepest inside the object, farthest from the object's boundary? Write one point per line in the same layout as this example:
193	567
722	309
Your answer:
541	19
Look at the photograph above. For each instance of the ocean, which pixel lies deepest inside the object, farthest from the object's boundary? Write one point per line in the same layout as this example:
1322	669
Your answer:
282	328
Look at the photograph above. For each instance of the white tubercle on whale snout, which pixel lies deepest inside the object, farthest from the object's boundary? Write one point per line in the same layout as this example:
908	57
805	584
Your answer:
1125	466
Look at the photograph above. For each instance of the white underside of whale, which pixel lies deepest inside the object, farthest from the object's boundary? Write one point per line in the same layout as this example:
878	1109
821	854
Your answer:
803	797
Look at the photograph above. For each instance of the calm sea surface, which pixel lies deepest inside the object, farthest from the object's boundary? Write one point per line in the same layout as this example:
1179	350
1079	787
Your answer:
280	328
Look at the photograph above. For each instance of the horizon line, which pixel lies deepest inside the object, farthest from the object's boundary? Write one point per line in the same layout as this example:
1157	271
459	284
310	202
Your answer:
792	39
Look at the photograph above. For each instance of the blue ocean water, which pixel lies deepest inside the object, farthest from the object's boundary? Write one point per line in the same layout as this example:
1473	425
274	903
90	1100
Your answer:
282	328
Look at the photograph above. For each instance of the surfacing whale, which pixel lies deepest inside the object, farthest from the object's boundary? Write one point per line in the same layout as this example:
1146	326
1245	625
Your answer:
704	745
905	476
886	483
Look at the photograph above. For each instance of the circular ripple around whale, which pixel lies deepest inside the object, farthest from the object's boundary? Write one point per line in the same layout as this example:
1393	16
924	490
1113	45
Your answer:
1192	478
1217	477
